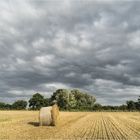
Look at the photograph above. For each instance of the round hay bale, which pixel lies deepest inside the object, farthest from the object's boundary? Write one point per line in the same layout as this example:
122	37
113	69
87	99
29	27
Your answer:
45	117
54	113
48	115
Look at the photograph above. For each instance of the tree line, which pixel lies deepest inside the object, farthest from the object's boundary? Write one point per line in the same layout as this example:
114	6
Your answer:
74	100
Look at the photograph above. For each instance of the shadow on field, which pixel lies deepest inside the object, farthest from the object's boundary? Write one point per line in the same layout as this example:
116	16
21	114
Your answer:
36	124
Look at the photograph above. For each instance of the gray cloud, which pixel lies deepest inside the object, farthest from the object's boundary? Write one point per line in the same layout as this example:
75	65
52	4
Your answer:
90	45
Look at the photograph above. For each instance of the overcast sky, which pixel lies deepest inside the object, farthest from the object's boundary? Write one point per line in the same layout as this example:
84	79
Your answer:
89	45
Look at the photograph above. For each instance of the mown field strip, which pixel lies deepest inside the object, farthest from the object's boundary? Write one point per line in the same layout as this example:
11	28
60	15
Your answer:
71	125
127	127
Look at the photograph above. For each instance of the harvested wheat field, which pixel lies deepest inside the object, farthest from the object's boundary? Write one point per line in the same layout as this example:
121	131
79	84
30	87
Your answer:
71	125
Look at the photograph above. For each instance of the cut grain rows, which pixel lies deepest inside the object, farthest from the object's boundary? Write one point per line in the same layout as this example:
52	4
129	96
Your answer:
72	125
93	125
130	129
101	126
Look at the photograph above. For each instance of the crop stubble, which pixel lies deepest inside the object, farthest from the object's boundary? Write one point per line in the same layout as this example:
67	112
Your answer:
71	125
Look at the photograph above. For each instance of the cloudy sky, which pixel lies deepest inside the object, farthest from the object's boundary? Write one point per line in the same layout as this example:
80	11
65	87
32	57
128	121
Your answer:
90	45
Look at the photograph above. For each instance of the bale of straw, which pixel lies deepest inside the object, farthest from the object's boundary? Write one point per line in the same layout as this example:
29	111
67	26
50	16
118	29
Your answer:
48	115
54	113
45	117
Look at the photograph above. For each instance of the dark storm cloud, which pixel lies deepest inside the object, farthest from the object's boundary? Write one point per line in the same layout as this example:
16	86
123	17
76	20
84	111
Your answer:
90	45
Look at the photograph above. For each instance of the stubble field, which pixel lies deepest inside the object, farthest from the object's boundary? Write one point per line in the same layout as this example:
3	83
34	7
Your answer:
15	125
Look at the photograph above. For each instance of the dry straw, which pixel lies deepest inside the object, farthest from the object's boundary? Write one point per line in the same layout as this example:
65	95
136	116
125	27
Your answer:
48	115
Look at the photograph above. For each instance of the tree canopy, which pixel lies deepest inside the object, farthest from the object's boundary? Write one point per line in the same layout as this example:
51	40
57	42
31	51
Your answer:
19	105
69	100
36	102
73	99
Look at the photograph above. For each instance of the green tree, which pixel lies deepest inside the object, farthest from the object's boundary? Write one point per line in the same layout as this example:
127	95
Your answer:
97	106
5	106
83	100
2	105
19	105
36	102
79	98
131	105
47	102
62	98
8	106
123	107
72	101
137	104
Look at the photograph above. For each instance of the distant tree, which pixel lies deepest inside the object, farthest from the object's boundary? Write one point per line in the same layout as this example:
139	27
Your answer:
123	107
5	106
8	106
47	102
2	105
78	97
110	107
83	100
73	99
97	106
131	105
19	105
90	100
62	98
37	101
137	104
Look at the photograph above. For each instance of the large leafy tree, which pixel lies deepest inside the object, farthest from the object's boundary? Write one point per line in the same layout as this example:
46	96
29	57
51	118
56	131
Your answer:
83	100
62	98
19	105
73	99
36	102
47	102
